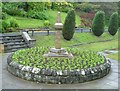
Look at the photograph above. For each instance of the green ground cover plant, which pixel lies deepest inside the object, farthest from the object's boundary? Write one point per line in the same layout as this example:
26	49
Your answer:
34	58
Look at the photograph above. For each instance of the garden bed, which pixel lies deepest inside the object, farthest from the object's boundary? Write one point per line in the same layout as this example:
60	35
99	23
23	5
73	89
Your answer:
85	66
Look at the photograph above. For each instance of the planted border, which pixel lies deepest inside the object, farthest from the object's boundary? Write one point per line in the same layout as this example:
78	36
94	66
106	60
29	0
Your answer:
58	76
33	57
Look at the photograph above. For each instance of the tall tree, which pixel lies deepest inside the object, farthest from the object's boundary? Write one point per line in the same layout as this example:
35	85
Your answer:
69	25
113	24
98	23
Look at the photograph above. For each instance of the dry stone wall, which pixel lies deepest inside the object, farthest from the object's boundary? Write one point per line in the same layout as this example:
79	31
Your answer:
58	77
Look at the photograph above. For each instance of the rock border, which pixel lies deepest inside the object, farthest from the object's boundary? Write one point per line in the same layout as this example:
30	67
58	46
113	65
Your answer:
58	77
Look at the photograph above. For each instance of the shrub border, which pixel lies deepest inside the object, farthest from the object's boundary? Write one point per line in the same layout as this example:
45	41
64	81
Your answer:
58	77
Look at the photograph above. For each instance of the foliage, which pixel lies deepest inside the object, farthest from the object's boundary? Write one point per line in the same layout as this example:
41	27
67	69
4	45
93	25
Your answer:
37	15
119	12
69	25
63	6
113	24
46	23
4	15
13	8
10	24
31	22
39	6
13	23
98	23
108	8
86	19
5	25
34	58
87	7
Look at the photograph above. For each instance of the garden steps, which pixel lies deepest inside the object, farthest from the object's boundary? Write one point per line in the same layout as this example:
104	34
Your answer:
15	47
13	42
13	38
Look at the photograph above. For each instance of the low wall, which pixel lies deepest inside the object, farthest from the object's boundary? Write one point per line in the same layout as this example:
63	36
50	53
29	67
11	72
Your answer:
58	77
28	40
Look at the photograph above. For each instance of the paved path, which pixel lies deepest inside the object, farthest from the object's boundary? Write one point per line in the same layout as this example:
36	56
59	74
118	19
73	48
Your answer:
11	82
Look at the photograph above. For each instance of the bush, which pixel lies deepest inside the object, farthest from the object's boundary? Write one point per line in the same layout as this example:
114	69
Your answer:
47	23
113	24
5	24
98	23
13	9
63	6
9	24
13	23
87	7
69	25
66	9
4	15
37	15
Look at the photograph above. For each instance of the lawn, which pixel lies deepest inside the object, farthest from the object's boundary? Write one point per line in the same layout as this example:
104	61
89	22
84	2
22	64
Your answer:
28	22
100	46
79	38
114	56
35	23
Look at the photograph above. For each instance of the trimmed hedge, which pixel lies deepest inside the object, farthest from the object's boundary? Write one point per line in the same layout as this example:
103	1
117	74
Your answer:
69	25
98	23
113	24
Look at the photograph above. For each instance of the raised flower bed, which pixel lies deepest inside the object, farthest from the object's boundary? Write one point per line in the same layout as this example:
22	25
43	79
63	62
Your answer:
30	64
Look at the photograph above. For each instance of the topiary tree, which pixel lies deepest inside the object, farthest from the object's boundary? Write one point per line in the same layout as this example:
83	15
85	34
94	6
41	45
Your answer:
98	23
69	25
113	24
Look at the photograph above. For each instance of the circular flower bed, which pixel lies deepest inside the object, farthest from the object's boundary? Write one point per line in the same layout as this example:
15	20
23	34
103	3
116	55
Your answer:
30	64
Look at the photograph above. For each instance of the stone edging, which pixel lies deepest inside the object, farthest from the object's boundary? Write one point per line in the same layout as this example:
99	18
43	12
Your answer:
58	77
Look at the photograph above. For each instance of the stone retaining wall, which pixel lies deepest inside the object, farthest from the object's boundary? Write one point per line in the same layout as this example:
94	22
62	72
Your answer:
58	77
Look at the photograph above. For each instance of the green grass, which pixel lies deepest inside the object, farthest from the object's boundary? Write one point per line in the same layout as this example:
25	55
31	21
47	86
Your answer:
114	56
100	46
49	41
35	23
28	22
53	17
